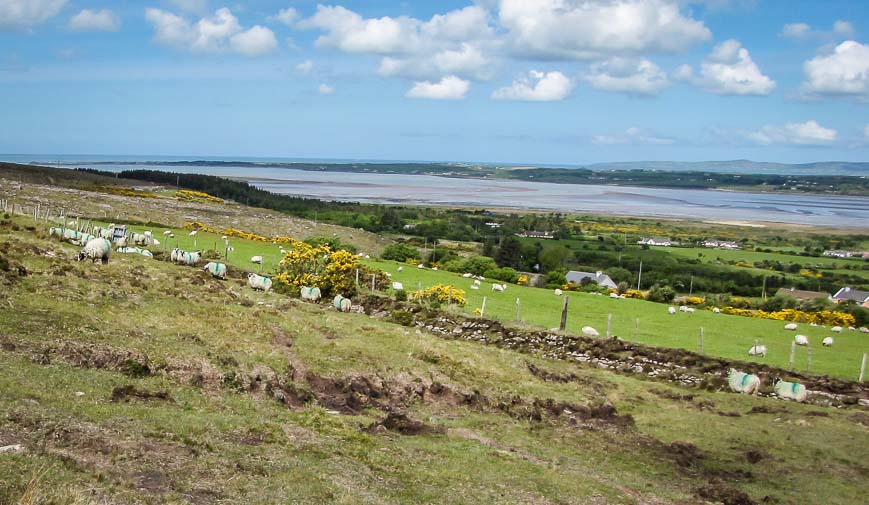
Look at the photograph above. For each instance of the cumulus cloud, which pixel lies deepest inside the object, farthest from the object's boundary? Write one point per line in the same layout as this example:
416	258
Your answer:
216	34
866	132
454	43
448	88
809	133
634	77
305	67
537	87
588	29
286	16
843	72
325	89
194	6
28	13
102	20
802	31
729	70
631	136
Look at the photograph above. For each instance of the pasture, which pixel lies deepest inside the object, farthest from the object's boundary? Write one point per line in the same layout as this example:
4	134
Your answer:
724	335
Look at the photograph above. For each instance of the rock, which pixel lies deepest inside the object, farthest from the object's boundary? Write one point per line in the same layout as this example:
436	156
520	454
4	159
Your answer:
79	394
15	448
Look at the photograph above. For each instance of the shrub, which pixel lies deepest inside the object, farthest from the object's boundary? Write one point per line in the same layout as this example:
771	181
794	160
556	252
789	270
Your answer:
307	265
661	294
401	252
402	317
441	293
400	295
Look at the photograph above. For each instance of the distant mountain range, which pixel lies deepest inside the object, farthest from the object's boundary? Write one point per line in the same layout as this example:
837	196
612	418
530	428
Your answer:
743	166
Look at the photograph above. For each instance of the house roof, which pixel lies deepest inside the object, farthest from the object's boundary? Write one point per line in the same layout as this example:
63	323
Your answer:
851	294
601	278
802	294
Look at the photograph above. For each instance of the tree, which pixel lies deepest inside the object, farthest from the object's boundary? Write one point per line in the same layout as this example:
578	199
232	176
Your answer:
554	258
661	294
510	253
400	252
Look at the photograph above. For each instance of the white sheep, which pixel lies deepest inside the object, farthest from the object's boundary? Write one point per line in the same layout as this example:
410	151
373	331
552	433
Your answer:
474	286
558	292
671	310
167	232
614	295
434	268
186	258
259	282
135	250
217	270
716	310
192	233
96	249
476	282
827	342
683	308
864	329
836	329
310	294
256	259
398	286
742	382
790	391
801	340
757	350
851	328
341	303
791	326
467	275
690	310
588	331
420	266
400	269
498	287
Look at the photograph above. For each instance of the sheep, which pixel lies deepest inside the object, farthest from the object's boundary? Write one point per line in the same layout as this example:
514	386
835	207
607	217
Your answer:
791	326
135	250
801	340
434	268
827	342
790	391
398	286
558	292
671	310
310	294
121	242
690	310
420	266
192	233
342	304
683	308
186	258
96	249
476	282
836	329
614	295
474	286
167	232
864	329
140	239
400	269
217	270
588	331
742	382
716	310
851	328
259	283
467	275
256	259
757	350
498	287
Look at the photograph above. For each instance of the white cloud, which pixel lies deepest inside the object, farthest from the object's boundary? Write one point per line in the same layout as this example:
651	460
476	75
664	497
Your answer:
467	61
28	13
635	77
448	88
802	31
633	135
729	70
587	29
866	132
102	20
305	67
256	41
809	133
325	89
796	31
845	71
219	33
286	16
537	87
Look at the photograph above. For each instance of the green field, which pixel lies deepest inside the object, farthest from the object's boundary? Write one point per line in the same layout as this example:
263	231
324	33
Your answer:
141	381
724	335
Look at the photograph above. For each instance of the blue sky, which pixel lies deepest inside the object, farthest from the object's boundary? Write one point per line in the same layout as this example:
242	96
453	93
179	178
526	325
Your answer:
522	81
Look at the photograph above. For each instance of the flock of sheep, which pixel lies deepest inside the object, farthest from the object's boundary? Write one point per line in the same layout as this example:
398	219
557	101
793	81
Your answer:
749	384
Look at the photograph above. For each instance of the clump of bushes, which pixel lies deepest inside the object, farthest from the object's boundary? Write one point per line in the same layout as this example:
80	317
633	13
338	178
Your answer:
401	252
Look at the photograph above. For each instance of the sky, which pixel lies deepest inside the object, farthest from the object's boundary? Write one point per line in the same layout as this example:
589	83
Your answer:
505	81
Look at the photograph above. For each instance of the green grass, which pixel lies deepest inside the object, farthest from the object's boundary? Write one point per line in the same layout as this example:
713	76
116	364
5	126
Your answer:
218	443
724	335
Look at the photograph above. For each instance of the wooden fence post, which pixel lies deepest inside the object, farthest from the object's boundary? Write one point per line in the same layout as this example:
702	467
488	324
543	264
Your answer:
483	308
793	353
809	359
701	340
609	322
862	368
563	324
637	331
517	310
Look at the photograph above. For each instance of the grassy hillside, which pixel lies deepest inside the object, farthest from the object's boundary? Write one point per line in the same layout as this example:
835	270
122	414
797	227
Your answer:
146	382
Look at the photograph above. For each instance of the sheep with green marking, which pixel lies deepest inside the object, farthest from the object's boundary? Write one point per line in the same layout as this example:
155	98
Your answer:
791	391
742	382
259	283
217	270
96	249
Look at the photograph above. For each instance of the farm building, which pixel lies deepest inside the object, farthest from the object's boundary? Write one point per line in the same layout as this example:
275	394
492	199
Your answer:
536	234
721	244
802	295
659	241
850	294
846	254
600	278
